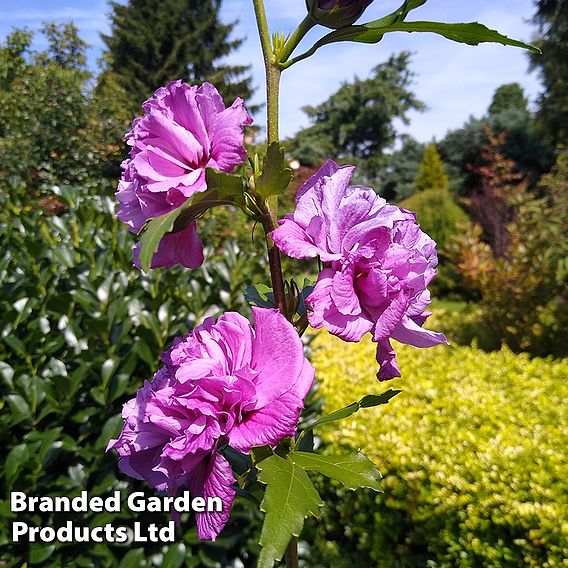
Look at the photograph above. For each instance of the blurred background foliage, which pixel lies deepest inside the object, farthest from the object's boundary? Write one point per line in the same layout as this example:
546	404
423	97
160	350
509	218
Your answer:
471	460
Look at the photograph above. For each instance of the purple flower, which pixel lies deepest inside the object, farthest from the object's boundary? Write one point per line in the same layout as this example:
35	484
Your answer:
377	264
183	131
223	382
337	14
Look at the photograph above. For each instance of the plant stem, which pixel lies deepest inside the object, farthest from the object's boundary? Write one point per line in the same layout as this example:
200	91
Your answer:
272	102
270	218
291	556
305	26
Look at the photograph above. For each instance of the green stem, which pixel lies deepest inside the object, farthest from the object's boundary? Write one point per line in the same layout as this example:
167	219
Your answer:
272	102
305	26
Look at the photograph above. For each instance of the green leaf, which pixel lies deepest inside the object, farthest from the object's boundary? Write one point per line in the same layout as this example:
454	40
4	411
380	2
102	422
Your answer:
14	463
134	558
40	553
224	185
175	556
153	234
276	174
259	295
366	402
221	189
354	470
110	429
290	497
472	33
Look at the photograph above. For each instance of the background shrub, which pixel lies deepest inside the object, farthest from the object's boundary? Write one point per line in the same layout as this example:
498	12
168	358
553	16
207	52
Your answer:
474	475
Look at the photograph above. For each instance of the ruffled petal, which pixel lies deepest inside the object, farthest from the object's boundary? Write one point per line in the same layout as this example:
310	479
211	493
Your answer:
323	312
213	478
293	241
409	332
227	149
276	420
386	358
277	354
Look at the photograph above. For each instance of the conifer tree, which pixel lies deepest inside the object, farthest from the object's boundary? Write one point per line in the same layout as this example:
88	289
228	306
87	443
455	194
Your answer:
431	172
152	42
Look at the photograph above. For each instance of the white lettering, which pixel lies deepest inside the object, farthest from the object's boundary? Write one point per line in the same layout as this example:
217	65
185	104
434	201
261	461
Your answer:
18	529
17	501
214	505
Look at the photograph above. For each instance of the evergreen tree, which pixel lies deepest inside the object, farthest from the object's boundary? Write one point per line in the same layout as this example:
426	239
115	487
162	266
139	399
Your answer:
507	97
153	42
357	122
552	21
431	172
398	177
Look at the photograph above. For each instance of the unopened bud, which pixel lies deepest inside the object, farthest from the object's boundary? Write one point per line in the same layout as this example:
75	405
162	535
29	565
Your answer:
336	14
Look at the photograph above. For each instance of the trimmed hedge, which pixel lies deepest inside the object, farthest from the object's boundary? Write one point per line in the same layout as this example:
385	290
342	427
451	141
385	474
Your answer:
473	457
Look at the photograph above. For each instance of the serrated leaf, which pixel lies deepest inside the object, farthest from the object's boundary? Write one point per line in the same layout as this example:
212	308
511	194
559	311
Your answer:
366	402
289	498
225	185
276	174
354	470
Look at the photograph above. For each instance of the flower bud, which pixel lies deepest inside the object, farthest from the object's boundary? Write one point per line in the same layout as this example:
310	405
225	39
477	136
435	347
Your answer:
336	14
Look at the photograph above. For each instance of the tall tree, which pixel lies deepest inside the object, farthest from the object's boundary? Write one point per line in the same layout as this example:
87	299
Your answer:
53	128
357	122
552	20
152	42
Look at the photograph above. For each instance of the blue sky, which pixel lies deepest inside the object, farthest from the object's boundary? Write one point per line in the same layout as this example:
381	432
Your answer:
455	81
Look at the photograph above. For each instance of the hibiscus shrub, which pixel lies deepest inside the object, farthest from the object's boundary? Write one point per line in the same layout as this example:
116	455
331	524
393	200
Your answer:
473	475
81	330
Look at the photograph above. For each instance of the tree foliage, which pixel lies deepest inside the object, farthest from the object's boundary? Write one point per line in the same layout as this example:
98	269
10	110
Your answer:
72	133
431	172
357	122
152	42
551	18
523	290
491	201
509	96
524	143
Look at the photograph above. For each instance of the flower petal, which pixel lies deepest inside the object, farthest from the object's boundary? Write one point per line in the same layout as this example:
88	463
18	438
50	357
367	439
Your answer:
213	478
277	354
386	358
278	419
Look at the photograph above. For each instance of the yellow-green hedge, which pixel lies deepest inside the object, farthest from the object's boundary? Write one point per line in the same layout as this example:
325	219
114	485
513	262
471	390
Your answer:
473	452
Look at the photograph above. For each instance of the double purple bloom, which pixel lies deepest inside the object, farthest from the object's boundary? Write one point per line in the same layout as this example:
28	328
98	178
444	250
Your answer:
377	264
223	382
184	130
